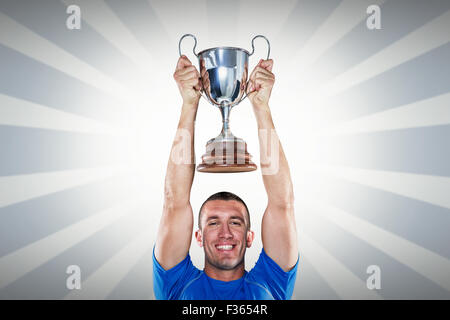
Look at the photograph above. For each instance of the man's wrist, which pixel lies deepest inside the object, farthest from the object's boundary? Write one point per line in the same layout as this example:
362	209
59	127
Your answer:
190	105
261	108
263	115
188	114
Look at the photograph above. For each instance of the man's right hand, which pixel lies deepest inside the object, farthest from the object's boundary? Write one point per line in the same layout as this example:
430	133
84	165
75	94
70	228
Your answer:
187	78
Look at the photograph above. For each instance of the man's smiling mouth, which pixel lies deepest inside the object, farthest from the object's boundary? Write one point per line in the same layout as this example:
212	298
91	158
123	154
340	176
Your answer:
225	247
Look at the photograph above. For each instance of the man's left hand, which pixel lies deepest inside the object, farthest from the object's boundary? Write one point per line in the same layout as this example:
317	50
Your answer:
261	83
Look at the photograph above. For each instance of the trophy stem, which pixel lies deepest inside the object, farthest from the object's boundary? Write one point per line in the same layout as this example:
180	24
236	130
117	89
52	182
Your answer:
225	112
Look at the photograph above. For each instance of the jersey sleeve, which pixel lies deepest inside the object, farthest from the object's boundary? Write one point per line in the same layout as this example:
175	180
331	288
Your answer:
269	274
168	284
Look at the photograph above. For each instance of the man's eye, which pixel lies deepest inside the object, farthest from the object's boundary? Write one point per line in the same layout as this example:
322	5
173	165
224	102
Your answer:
236	223
212	223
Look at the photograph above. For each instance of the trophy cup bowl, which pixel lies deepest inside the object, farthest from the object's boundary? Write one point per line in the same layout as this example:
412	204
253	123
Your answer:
224	72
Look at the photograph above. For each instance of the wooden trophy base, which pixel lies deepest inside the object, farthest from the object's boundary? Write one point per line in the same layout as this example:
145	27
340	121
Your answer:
228	155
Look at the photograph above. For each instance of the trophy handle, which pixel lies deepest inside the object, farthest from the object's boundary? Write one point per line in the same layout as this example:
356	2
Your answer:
253	51
253	46
195	44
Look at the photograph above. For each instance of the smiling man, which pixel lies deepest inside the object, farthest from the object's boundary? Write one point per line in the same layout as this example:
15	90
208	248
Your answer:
224	219
224	233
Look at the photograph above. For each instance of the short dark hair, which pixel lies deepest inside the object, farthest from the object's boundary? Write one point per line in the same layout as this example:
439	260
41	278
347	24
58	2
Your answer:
227	196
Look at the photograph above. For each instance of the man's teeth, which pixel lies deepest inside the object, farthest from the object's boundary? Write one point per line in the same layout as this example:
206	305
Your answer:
227	247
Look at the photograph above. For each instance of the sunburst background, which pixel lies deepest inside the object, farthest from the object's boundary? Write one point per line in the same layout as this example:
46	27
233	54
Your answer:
87	119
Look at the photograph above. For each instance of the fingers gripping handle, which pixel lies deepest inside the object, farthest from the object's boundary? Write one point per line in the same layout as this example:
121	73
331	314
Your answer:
253	51
202	92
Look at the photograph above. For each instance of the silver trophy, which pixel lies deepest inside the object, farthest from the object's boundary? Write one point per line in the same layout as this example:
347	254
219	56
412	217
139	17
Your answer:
224	72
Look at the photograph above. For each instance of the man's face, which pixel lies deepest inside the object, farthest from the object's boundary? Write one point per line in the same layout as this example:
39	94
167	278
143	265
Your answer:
224	235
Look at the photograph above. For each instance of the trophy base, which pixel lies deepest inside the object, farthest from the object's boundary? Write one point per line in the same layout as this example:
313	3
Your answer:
217	168
226	155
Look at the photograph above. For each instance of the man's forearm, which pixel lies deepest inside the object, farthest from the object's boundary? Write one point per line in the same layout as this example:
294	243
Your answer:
181	165
274	166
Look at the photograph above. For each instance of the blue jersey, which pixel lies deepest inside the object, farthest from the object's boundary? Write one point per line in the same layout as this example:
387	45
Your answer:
266	281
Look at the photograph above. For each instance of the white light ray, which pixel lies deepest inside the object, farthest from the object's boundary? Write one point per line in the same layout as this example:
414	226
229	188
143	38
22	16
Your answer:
195	21
103	281
429	112
337	276
261	17
429	264
432	189
343	19
428	37
19	188
16	264
24	40
12	111
100	16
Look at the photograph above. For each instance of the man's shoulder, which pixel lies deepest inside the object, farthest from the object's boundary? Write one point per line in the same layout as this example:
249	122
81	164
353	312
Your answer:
192	285
266	263
269	275
255	285
171	283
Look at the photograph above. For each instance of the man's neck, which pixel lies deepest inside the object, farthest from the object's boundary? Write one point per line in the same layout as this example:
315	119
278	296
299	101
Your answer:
224	275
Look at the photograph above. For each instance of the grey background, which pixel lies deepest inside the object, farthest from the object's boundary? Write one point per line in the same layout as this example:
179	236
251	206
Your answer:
87	118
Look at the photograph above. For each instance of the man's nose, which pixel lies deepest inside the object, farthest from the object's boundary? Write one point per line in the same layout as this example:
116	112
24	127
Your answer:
225	231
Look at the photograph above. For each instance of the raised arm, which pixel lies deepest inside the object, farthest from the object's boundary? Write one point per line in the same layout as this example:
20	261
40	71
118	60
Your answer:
175	229
279	235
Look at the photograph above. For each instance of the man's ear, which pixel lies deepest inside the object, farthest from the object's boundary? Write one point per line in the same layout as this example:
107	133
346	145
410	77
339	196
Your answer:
198	237
250	238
